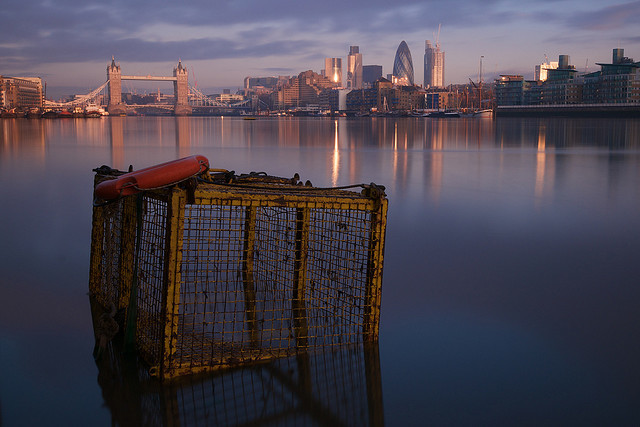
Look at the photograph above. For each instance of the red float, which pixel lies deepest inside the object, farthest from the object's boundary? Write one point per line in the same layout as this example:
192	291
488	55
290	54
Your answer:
157	176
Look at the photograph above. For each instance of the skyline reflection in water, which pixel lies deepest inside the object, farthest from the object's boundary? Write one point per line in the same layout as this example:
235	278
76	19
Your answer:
510	288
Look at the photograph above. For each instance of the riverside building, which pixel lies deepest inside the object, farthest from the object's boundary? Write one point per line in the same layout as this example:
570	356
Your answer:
370	74
21	92
615	83
385	97
302	90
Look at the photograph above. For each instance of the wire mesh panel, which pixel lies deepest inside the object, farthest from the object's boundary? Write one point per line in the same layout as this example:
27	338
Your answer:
337	273
210	306
111	246
151	258
271	263
228	274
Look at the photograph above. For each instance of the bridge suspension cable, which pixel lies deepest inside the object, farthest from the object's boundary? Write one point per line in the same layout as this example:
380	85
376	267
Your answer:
206	101
79	100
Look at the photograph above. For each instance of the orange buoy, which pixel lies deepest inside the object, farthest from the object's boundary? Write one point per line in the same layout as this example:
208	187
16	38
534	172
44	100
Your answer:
157	176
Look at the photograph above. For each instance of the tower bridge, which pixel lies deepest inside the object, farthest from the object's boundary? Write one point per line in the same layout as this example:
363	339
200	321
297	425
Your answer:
180	88
187	99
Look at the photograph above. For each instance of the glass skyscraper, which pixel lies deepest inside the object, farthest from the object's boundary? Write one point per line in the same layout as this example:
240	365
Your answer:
433	65
333	70
354	68
403	65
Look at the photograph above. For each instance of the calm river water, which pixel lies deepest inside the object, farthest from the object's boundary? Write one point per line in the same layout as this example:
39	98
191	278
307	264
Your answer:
511	282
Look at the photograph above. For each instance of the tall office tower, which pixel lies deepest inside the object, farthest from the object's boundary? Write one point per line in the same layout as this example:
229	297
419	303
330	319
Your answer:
403	65
354	68
333	70
433	65
371	73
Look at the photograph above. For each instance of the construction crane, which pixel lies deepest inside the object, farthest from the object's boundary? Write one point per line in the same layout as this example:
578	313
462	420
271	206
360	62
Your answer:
438	37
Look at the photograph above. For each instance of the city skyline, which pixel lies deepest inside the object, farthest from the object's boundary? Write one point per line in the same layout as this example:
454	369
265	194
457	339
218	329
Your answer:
69	44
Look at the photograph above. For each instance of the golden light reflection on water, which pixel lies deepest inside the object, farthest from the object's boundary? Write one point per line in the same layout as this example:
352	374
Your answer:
336	156
341	145
20	135
117	143
544	170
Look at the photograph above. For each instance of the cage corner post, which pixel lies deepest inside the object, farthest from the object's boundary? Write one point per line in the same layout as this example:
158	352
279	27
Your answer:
97	246
373	292
373	379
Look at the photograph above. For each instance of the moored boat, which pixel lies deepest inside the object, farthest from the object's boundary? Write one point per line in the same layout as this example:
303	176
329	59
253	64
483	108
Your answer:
444	114
92	110
483	113
34	113
9	114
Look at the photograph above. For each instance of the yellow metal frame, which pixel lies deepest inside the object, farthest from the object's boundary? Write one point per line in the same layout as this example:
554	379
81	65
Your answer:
303	201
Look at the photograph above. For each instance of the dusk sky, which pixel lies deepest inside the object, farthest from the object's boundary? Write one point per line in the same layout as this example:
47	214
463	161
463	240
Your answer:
70	42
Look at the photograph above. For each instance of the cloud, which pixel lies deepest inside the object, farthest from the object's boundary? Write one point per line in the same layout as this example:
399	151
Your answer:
66	30
608	18
278	70
148	51
284	37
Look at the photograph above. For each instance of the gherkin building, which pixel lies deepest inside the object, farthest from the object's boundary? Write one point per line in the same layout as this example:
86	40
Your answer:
403	65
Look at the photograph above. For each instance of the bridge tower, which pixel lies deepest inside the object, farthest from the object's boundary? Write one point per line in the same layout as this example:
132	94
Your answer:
181	90
114	76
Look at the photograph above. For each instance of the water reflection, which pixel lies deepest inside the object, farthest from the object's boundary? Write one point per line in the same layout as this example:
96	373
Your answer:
542	168
117	142
334	388
336	156
427	155
565	133
127	132
20	135
183	137
510	269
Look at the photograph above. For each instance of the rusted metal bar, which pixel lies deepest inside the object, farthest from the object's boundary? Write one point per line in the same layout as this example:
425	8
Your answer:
247	273
300	278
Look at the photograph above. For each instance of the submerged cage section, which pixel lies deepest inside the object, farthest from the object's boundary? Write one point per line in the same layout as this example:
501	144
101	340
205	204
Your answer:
228	273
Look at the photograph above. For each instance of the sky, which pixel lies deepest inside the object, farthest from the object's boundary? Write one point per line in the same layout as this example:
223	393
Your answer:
69	43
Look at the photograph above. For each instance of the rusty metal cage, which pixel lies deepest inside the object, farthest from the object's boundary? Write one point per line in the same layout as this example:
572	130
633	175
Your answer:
225	271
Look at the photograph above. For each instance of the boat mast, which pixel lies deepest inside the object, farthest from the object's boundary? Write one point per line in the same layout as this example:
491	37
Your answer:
480	85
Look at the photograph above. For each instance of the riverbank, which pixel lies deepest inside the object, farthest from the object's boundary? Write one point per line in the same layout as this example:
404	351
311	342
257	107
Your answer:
570	110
